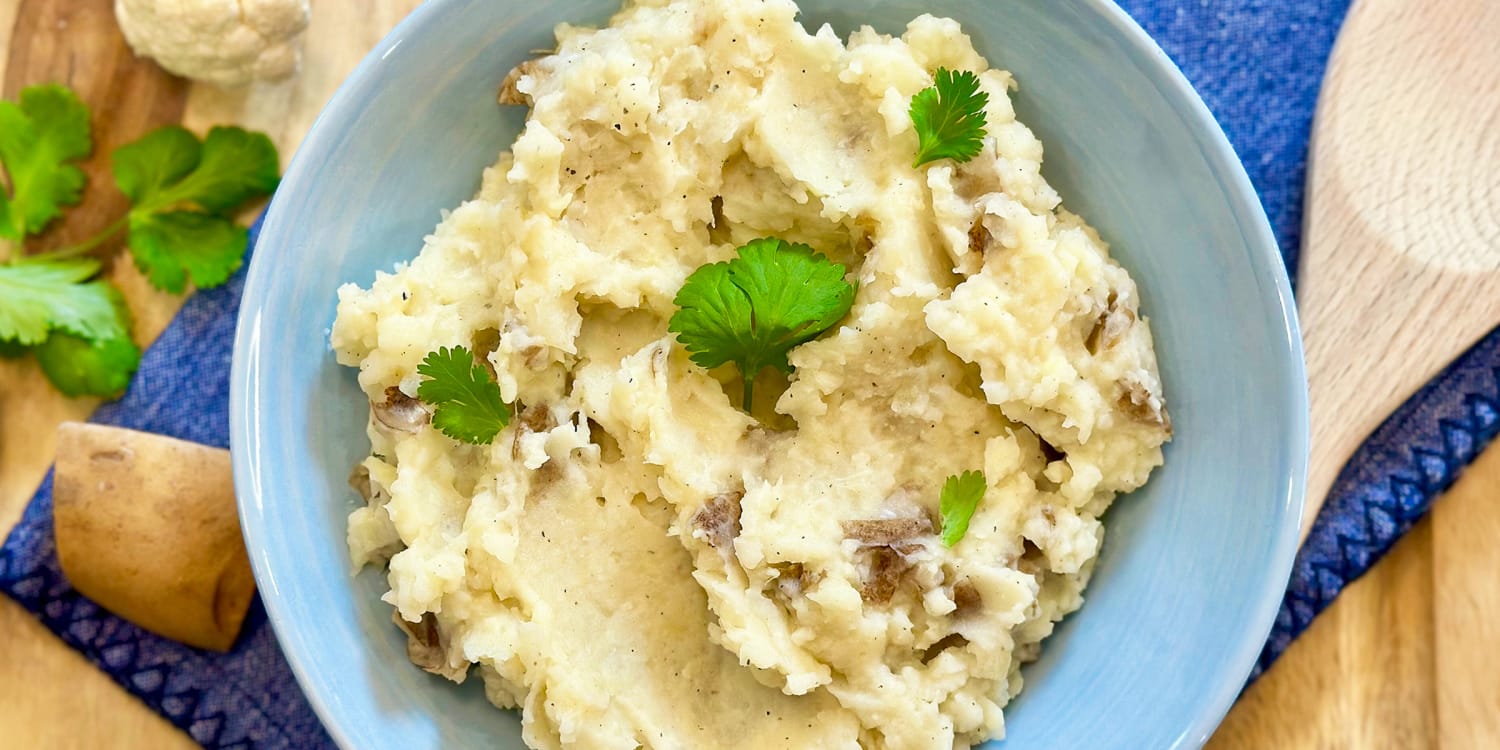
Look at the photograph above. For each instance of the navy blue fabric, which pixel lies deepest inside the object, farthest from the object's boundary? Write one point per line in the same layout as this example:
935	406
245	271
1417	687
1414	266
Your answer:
1258	64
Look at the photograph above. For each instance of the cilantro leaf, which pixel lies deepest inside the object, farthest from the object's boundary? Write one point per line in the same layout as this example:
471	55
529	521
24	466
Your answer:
469	406
170	247
39	136
44	295
168	166
162	157
755	309
949	117
180	230
181	191
80	367
961	495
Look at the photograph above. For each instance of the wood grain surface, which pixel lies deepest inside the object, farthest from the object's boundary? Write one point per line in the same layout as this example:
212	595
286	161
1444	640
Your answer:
50	697
1401	271
1405	659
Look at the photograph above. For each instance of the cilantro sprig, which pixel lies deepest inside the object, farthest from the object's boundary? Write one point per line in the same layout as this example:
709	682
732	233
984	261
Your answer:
469	405
41	136
949	117
39	297
755	309
80	366
182	191
179	228
960	497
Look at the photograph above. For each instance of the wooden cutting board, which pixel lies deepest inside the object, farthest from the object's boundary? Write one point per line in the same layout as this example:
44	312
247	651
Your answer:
49	696
1402	661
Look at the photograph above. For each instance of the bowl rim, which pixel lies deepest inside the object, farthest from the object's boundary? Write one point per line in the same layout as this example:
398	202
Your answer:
1222	157
245	438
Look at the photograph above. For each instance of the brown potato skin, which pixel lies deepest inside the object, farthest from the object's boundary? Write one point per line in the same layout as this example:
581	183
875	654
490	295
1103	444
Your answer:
146	526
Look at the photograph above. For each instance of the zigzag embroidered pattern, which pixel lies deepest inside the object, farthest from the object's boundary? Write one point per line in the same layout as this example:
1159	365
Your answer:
203	694
1389	484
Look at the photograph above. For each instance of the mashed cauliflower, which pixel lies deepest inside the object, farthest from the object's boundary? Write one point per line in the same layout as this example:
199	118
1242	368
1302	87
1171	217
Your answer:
637	562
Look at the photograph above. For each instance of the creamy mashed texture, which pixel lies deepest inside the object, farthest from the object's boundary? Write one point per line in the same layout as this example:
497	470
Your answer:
635	561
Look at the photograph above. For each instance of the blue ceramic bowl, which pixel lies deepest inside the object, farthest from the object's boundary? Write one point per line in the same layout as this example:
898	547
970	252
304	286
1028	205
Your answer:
1194	564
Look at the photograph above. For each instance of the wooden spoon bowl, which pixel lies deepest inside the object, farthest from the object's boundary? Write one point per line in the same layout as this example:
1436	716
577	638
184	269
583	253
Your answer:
1401	271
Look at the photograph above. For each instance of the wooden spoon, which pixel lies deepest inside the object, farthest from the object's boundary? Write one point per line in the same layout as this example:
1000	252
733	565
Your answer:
1401	268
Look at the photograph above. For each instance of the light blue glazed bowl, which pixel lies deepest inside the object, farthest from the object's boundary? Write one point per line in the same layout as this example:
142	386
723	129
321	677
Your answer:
1194	564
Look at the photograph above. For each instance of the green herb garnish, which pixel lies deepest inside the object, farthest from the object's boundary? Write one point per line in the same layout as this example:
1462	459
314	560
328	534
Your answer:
79	367
755	309
181	192
37	297
961	495
949	117
182	195
469	406
41	136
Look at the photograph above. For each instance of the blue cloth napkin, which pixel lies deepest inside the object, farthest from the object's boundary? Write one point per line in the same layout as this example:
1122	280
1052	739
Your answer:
1258	64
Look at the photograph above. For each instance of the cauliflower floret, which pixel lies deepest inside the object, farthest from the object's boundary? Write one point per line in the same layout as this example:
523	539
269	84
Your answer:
223	42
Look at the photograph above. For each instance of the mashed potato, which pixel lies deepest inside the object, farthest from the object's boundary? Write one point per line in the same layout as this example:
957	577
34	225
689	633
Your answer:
635	561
